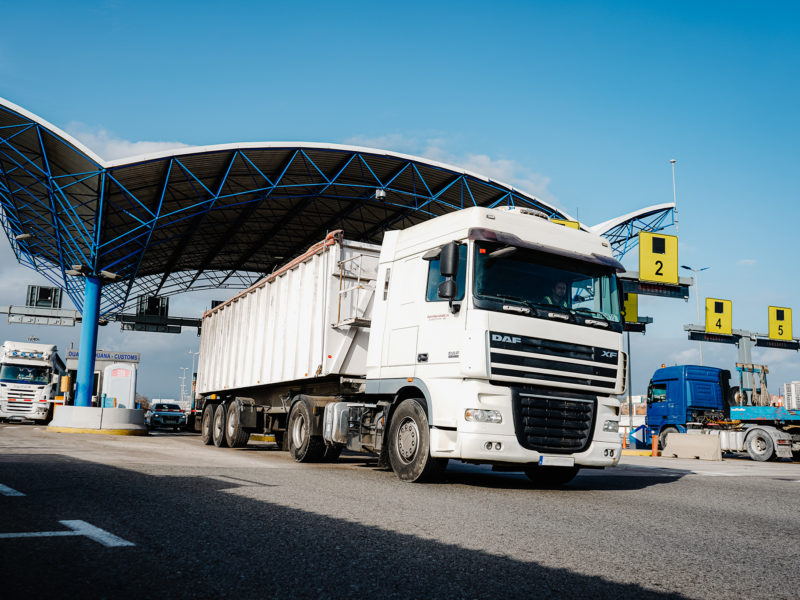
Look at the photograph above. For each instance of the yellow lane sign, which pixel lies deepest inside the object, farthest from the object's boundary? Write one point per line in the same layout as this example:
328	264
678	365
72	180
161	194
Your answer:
630	308
780	323
565	223
658	257
719	316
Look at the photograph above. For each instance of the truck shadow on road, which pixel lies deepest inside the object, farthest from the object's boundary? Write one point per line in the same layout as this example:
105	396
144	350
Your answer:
613	479
194	540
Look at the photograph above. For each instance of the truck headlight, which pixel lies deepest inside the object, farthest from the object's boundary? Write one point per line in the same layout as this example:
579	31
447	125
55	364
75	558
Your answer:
479	415
611	426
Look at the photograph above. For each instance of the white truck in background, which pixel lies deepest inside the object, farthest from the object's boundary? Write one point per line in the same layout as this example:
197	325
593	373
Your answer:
444	342
29	380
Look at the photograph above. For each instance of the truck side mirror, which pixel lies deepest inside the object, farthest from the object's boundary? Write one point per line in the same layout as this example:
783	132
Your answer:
448	289
448	260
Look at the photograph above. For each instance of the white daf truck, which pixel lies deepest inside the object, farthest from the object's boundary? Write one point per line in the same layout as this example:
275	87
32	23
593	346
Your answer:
485	335
29	378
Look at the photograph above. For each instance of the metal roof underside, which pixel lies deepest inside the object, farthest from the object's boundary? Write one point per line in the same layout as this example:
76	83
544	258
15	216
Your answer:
211	217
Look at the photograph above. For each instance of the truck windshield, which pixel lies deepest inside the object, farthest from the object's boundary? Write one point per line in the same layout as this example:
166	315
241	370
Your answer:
545	283
24	374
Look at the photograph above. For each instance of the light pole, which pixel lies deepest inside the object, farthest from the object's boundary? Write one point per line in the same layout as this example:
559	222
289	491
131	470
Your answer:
183	382
697	297
674	193
191	387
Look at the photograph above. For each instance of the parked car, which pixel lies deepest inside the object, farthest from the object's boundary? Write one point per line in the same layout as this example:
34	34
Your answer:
163	414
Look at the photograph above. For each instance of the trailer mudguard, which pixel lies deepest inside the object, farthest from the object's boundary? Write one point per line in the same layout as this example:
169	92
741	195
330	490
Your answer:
248	417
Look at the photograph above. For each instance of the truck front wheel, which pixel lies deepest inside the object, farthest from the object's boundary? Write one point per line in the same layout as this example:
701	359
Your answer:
662	437
759	446
207	425
409	444
303	446
218	429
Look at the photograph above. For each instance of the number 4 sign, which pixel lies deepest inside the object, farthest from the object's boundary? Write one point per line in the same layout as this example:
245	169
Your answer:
780	323
658	258
719	316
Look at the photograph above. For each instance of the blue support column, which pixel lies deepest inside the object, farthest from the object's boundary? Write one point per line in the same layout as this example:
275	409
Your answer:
91	313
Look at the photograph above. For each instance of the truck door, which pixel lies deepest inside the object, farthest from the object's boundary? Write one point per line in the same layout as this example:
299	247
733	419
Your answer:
666	404
657	406
441	328
404	298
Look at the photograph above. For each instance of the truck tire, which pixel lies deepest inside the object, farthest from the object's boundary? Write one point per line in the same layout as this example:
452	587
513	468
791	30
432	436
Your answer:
759	445
207	425
303	446
662	437
550	477
235	435
733	396
409	444
218	428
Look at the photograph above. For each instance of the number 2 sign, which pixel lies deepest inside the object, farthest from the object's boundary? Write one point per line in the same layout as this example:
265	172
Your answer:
658	257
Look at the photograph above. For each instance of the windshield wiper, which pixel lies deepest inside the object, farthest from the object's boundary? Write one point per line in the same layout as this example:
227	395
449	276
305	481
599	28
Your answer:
594	314
521	301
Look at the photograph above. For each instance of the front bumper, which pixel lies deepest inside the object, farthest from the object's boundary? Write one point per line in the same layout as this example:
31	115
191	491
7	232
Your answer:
499	443
29	409
159	421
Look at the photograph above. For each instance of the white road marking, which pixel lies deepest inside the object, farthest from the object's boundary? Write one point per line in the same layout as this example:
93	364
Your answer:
109	540
95	533
7	491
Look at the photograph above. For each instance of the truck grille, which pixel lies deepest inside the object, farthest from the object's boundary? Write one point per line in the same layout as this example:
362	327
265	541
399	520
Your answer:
21	407
21	393
551	421
516	358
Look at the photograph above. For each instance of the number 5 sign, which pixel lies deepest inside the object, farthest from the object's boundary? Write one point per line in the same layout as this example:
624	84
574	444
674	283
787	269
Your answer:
658	258
780	323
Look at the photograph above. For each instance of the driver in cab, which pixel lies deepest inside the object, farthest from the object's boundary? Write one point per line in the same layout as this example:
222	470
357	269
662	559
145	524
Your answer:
558	295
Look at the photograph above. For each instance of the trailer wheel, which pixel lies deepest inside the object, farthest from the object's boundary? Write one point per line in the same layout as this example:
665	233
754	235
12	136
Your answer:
662	437
235	435
303	446
218	429
550	477
409	444
760	446
207	425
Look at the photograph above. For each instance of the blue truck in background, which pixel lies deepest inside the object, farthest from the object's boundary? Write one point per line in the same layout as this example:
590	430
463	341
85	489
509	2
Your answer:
696	399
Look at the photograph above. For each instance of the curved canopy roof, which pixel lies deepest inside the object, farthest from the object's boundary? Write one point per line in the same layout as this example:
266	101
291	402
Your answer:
623	231
212	216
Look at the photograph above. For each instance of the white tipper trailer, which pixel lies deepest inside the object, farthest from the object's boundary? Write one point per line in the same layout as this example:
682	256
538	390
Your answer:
447	341
29	378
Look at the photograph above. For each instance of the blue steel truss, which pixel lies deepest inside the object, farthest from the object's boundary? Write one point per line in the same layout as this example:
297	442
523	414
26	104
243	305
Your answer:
222	216
215	217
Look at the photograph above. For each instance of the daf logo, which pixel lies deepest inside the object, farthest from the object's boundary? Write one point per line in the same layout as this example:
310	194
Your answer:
496	337
608	354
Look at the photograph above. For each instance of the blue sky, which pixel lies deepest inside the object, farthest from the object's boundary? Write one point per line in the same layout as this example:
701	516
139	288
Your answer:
580	103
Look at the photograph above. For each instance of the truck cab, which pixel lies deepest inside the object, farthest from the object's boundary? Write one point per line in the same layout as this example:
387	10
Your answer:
685	394
29	376
509	369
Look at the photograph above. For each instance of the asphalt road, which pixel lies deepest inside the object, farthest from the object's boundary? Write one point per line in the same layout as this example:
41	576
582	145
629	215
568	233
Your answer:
165	517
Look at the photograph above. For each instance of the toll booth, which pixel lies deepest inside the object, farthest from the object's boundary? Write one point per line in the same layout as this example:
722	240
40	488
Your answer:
103	359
